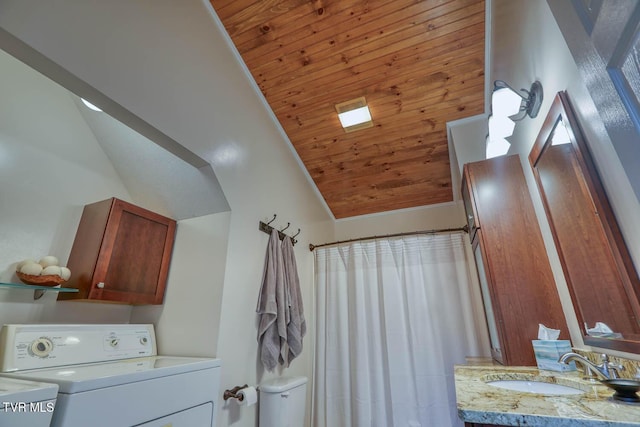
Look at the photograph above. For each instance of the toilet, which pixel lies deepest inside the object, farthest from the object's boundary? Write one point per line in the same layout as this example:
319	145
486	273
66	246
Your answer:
282	402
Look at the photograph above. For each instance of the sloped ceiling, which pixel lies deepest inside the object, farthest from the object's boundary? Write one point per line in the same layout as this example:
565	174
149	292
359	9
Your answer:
184	187
177	189
419	64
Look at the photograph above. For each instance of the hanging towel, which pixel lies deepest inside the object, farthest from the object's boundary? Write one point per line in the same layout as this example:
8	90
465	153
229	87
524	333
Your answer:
296	327
272	327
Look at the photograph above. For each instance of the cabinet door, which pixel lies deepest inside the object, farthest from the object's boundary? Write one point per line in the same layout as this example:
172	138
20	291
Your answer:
133	262
513	260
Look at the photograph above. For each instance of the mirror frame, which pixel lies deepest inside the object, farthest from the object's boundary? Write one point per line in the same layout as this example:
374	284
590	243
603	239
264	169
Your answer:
561	110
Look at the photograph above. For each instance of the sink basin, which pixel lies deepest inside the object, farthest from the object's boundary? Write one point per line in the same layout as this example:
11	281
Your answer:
538	387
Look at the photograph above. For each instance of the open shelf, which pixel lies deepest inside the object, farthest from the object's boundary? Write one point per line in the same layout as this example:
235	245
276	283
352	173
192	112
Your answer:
38	290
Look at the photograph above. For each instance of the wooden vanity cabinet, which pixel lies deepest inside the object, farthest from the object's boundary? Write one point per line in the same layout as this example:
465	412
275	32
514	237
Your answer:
517	284
121	253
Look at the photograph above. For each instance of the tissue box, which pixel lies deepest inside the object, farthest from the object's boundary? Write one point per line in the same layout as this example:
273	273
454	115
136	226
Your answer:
548	352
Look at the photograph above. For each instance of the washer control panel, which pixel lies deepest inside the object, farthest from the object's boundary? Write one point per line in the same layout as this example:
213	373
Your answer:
24	347
134	341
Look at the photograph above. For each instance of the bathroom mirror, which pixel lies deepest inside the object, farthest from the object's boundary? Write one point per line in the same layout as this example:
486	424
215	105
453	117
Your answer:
602	280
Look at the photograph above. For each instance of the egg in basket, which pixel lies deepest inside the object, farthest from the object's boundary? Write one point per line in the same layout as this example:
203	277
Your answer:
45	272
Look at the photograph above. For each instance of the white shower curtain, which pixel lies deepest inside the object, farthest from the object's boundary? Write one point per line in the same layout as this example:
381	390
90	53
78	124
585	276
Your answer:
393	317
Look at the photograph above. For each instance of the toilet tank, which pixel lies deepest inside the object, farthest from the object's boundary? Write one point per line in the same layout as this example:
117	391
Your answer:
282	402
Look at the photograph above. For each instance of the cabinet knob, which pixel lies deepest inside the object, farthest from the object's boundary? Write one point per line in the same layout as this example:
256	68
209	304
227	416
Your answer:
100	285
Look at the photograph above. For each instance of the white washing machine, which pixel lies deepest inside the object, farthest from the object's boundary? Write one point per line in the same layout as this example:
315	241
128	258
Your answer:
111	375
26	403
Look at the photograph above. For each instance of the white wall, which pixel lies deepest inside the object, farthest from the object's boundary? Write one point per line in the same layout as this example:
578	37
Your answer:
468	139
444	215
50	167
194	289
528	46
169	64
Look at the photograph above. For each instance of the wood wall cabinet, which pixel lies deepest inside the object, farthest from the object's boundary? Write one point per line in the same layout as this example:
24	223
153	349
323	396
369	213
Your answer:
517	284
121	253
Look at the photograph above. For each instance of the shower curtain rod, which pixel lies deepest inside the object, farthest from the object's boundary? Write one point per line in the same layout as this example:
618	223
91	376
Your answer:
464	228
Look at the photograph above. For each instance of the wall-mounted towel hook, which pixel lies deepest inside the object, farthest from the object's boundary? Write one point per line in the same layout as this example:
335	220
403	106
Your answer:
266	228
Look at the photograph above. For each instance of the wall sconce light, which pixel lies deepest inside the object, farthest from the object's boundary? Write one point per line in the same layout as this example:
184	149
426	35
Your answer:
509	106
354	114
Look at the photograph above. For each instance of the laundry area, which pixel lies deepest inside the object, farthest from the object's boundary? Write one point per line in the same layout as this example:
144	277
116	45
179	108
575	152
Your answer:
91	365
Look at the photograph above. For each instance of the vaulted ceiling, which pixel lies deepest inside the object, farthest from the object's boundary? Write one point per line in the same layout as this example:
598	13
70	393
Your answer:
419	64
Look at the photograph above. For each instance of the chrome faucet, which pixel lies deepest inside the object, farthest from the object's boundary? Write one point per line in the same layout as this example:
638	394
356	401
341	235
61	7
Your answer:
607	369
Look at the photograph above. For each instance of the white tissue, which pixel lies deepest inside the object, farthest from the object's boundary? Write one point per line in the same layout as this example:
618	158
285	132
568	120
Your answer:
545	333
249	396
602	330
600	327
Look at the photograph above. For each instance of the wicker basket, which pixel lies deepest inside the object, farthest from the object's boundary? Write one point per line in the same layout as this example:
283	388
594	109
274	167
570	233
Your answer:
50	280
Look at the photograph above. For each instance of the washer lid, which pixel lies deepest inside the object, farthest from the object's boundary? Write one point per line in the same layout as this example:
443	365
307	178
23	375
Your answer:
14	390
278	385
79	378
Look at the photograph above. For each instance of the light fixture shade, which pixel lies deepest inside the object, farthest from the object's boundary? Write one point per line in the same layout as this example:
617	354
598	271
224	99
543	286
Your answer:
505	102
355	117
501	126
509	106
497	147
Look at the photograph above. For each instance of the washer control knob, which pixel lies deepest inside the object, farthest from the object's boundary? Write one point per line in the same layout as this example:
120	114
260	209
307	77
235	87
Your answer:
144	341
41	347
114	342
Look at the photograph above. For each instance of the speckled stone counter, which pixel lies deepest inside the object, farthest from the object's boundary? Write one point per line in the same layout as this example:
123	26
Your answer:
479	402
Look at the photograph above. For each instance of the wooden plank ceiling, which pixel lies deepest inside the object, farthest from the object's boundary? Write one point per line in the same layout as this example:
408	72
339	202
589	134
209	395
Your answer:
419	64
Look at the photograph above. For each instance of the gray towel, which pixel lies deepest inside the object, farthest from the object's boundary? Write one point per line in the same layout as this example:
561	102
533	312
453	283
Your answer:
272	328
296	326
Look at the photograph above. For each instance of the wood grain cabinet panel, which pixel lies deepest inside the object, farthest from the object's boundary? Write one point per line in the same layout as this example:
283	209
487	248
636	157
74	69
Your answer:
121	253
519	288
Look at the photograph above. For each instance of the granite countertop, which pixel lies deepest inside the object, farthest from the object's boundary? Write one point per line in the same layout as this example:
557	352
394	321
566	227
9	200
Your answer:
479	402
